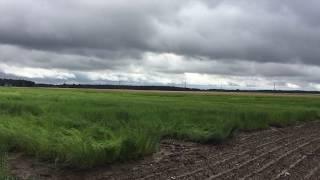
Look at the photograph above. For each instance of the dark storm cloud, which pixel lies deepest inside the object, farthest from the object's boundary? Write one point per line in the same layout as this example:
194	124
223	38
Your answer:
81	26
70	60
265	31
286	31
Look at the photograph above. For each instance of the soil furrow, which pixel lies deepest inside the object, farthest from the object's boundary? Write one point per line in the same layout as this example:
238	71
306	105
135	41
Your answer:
227	155
286	171
286	166
312	172
246	163
257	174
304	168
232	157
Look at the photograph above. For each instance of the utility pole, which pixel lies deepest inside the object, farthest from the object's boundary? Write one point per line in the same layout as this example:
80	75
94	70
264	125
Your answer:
184	84
119	81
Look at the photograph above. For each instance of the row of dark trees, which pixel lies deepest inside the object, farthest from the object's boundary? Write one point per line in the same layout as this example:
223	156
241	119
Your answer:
16	83
129	87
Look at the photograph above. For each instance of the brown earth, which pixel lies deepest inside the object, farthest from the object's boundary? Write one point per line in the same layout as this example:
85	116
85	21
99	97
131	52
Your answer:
292	94
276	153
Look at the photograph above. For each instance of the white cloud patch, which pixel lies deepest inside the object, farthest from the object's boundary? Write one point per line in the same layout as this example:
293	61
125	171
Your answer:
315	86
293	86
29	72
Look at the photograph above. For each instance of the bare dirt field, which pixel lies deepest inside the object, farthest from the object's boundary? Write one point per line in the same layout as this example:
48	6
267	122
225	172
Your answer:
240	93
276	153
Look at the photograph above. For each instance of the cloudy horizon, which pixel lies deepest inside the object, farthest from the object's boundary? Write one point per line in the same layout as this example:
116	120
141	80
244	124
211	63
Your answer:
242	44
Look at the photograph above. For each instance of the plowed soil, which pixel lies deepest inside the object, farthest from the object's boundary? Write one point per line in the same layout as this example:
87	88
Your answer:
277	153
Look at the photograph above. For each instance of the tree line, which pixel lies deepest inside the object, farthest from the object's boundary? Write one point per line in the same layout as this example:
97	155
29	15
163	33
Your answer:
16	83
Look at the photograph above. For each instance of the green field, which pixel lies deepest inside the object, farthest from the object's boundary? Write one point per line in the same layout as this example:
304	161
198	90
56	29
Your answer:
85	128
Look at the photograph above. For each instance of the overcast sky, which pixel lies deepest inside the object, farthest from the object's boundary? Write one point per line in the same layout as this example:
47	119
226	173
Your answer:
230	43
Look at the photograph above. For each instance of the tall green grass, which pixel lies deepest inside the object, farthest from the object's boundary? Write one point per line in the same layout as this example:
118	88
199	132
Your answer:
3	163
4	166
85	128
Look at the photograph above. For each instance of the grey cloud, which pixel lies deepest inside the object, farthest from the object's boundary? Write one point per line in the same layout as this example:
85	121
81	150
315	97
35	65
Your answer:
267	38
55	25
47	59
267	31
235	67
